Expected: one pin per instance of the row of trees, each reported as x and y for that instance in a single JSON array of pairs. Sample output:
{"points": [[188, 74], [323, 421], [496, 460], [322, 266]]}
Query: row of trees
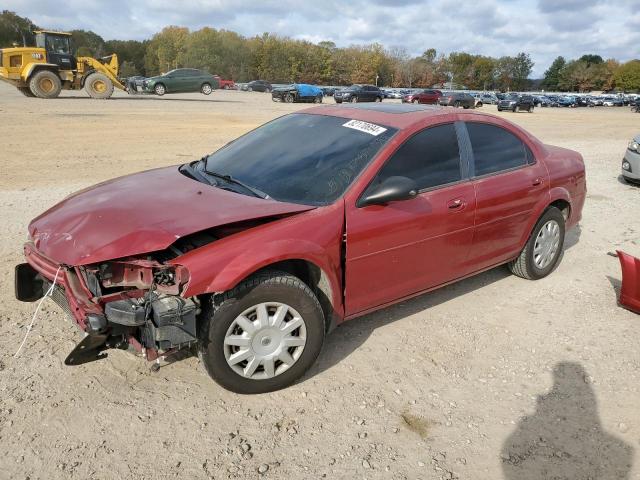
{"points": [[283, 59], [592, 72]]}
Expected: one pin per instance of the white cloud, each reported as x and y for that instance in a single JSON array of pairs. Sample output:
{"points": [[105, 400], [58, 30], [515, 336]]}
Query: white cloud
{"points": [[543, 28]]}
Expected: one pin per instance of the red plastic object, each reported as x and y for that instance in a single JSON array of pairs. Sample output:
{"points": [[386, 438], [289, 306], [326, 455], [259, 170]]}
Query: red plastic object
{"points": [[630, 290]]}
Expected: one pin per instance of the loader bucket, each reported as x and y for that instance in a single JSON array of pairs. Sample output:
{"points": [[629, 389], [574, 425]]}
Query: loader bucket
{"points": [[630, 290]]}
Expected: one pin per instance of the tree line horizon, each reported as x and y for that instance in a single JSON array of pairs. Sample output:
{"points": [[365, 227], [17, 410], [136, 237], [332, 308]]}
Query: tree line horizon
{"points": [[282, 59]]}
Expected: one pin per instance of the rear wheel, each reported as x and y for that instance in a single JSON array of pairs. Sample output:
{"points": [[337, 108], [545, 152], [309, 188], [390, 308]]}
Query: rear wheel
{"points": [[263, 335], [354, 99], [288, 98], [378, 99], [98, 85], [26, 92], [543, 249], [206, 89], [45, 84], [478, 105], [317, 99]]}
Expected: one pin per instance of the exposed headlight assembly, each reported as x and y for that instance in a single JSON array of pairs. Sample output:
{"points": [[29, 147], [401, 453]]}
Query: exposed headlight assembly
{"points": [[633, 145]]}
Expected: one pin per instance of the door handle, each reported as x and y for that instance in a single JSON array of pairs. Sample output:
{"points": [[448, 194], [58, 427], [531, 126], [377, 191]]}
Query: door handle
{"points": [[536, 182], [455, 204]]}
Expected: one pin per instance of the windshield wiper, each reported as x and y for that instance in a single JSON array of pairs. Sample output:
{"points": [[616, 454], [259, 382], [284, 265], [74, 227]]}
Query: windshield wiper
{"points": [[230, 179], [196, 174]]}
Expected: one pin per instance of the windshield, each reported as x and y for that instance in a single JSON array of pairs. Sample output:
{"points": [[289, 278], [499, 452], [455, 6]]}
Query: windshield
{"points": [[301, 158]]}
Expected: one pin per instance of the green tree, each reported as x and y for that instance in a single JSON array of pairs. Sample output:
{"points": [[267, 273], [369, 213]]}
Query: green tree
{"points": [[627, 76], [552, 74], [16, 29], [87, 43]]}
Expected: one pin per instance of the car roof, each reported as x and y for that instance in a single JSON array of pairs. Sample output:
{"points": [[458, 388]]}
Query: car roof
{"points": [[397, 115]]}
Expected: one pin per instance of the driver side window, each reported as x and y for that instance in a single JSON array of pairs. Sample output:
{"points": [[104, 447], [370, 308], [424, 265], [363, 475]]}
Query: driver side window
{"points": [[431, 158]]}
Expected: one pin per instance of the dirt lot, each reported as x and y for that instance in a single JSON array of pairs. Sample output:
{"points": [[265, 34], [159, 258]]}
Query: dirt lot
{"points": [[494, 377]]}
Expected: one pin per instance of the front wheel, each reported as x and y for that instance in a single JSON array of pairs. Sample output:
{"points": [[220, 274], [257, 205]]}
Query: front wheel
{"points": [[263, 335], [98, 85], [543, 249], [159, 89], [288, 98], [478, 105], [206, 89]]}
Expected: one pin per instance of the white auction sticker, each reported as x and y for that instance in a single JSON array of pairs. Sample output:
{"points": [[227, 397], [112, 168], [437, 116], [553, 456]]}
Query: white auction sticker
{"points": [[366, 127]]}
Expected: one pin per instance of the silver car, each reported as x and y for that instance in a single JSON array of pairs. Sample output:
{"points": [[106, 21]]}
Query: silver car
{"points": [[631, 162]]}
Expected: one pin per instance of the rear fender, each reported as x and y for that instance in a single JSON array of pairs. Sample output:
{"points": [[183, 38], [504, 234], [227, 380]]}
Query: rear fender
{"points": [[34, 67], [630, 289], [557, 193]]}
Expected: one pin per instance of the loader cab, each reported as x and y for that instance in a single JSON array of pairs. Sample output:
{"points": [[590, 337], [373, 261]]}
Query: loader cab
{"points": [[58, 48]]}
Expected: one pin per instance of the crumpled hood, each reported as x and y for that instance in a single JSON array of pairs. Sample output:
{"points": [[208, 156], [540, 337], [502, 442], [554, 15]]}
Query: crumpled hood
{"points": [[141, 213]]}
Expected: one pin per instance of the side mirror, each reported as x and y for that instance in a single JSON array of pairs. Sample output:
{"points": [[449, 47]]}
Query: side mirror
{"points": [[393, 189]]}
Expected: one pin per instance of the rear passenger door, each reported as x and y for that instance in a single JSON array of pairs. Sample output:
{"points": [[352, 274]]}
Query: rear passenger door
{"points": [[508, 183]]}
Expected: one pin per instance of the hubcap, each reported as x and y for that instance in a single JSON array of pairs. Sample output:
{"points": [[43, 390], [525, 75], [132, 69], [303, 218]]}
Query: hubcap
{"points": [[47, 85], [206, 89], [99, 86], [547, 243], [265, 340]]}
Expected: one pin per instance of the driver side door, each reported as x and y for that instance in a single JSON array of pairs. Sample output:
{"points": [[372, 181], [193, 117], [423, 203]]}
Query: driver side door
{"points": [[406, 247]]}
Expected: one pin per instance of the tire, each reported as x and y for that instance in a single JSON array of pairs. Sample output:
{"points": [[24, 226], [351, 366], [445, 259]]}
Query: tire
{"points": [[45, 84], [226, 87], [414, 101], [478, 105], [219, 322], [267, 90], [249, 89], [525, 265], [206, 89], [288, 98], [514, 109], [317, 99], [378, 99], [26, 92], [530, 110], [456, 104], [499, 109], [159, 89], [466, 107], [98, 86], [354, 99]]}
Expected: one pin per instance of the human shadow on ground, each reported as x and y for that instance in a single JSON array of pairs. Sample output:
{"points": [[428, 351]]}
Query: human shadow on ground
{"points": [[564, 439]]}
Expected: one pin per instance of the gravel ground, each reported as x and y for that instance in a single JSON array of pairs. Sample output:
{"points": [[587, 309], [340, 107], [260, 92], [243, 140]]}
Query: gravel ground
{"points": [[494, 377]]}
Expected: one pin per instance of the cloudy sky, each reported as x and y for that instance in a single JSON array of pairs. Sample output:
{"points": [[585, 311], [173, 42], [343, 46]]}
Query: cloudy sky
{"points": [[544, 28]]}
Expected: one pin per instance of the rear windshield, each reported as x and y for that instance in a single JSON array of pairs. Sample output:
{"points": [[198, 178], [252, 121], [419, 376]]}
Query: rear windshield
{"points": [[302, 158]]}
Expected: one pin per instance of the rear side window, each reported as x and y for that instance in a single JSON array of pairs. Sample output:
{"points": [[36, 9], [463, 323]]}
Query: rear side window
{"points": [[431, 158], [495, 149]]}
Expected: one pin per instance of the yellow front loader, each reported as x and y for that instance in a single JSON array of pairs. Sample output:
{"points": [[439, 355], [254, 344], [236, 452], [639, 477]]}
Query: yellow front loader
{"points": [[43, 71]]}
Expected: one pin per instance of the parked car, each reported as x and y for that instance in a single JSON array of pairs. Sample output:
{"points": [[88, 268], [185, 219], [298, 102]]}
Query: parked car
{"points": [[257, 86], [358, 93], [487, 99], [457, 99], [396, 94], [226, 84], [297, 92], [516, 102], [542, 101], [613, 102], [569, 102], [428, 96], [255, 252], [631, 161], [181, 80]]}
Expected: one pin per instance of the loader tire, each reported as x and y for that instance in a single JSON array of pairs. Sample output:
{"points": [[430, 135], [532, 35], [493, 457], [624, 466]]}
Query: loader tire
{"points": [[45, 84], [26, 92], [98, 85]]}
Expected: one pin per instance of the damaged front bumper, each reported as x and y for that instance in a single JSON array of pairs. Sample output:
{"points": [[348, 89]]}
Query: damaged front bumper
{"points": [[119, 304], [630, 289]]}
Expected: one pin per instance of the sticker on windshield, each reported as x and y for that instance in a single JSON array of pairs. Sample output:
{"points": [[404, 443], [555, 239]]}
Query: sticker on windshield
{"points": [[366, 127]]}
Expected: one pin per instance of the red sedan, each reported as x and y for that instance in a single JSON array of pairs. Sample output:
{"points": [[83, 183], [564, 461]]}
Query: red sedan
{"points": [[429, 97], [255, 252]]}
